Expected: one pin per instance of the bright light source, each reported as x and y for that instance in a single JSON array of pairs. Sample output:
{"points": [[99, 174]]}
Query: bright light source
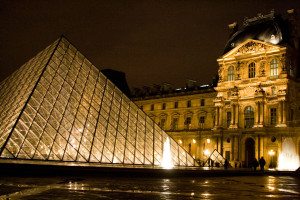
{"points": [[271, 152], [180, 141], [206, 152], [208, 141], [194, 141], [167, 157], [288, 158]]}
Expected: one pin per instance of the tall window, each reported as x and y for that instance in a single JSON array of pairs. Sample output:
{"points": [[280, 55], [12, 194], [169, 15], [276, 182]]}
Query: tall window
{"points": [[202, 103], [201, 121], [230, 73], [162, 122], [274, 67], [188, 122], [251, 70], [189, 103], [249, 117], [273, 116], [176, 104], [175, 123], [228, 119], [152, 107], [164, 106]]}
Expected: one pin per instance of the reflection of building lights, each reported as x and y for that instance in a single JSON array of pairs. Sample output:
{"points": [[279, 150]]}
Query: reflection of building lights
{"points": [[194, 141], [271, 188], [271, 152], [206, 152], [208, 141], [180, 141]]}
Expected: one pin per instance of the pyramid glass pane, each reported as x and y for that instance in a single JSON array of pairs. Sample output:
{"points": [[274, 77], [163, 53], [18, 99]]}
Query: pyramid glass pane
{"points": [[59, 107], [15, 90]]}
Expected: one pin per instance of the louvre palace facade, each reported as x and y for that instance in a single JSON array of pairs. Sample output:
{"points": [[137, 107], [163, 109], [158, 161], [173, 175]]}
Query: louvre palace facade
{"points": [[254, 108]]}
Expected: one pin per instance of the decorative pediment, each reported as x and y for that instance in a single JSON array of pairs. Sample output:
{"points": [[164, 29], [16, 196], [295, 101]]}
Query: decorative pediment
{"points": [[251, 47]]}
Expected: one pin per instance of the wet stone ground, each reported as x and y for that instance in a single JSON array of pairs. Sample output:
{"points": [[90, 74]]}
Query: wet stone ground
{"points": [[240, 187]]}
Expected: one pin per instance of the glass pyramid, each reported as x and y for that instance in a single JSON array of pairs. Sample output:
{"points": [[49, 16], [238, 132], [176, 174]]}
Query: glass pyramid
{"points": [[59, 107]]}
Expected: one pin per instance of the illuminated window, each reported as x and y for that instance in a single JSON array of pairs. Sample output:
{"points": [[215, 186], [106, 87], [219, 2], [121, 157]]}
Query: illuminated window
{"points": [[201, 121], [188, 122], [249, 117], [230, 74], [273, 116], [274, 68], [251, 70]]}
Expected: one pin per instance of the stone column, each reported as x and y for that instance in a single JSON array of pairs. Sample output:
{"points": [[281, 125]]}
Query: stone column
{"points": [[220, 116], [256, 114], [266, 115], [284, 112], [236, 120], [262, 113], [279, 113], [232, 115], [217, 117]]}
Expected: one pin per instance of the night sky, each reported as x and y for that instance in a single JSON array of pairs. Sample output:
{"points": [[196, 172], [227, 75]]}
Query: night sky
{"points": [[151, 41]]}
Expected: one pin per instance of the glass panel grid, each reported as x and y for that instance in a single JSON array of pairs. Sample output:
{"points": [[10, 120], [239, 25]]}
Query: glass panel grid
{"points": [[76, 114]]}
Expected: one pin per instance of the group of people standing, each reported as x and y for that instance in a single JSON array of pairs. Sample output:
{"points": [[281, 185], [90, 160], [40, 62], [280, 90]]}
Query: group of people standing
{"points": [[261, 162]]}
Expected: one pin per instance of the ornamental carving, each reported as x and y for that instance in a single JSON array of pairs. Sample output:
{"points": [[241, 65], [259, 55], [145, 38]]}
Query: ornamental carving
{"points": [[254, 47], [262, 70], [251, 47], [260, 90], [234, 91]]}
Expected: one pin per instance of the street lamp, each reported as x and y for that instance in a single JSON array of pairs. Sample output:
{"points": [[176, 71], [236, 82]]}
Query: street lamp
{"points": [[271, 154]]}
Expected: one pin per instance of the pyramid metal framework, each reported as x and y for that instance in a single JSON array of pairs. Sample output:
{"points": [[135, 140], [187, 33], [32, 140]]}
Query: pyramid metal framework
{"points": [[59, 107]]}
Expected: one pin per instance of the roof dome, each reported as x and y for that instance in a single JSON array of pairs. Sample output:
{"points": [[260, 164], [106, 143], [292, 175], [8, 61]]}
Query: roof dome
{"points": [[267, 28]]}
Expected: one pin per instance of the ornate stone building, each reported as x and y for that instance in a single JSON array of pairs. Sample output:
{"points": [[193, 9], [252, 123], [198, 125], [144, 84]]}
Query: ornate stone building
{"points": [[188, 116], [254, 109]]}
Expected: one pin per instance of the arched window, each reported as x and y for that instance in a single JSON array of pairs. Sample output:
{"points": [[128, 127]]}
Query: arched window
{"points": [[251, 70], [249, 117], [274, 67], [230, 74]]}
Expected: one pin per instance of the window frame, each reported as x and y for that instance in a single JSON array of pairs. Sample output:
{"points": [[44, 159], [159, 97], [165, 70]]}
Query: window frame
{"points": [[273, 116], [274, 64], [251, 70], [230, 73], [248, 117]]}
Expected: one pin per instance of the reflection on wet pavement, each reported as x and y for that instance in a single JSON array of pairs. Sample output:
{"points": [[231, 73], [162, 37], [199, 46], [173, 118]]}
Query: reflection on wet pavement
{"points": [[246, 187]]}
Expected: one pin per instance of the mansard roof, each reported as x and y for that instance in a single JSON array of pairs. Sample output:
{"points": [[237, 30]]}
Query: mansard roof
{"points": [[267, 28]]}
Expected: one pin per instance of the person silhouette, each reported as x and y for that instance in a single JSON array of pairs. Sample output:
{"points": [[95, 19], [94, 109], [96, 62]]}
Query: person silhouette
{"points": [[262, 163], [255, 164], [226, 164]]}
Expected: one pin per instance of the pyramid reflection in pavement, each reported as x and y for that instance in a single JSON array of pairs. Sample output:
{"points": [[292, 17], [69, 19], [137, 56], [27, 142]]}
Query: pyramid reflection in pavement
{"points": [[59, 107]]}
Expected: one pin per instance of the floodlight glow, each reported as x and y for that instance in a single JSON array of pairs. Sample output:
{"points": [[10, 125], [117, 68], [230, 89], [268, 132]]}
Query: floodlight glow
{"points": [[167, 159]]}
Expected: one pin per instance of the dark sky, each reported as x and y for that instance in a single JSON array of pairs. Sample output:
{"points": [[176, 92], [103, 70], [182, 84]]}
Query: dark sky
{"points": [[151, 41]]}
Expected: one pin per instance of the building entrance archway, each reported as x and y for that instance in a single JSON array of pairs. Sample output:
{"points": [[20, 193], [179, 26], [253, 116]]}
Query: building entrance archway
{"points": [[249, 151]]}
